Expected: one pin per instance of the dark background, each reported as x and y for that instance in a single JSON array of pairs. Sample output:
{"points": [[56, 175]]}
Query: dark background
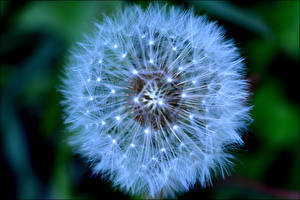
{"points": [[36, 162]]}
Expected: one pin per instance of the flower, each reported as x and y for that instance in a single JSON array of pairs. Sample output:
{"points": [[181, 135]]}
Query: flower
{"points": [[157, 99]]}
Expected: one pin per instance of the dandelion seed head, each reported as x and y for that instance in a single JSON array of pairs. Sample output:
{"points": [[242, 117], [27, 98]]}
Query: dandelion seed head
{"points": [[171, 100]]}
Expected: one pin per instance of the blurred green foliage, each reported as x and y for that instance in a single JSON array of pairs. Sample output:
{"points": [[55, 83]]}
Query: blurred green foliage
{"points": [[35, 42]]}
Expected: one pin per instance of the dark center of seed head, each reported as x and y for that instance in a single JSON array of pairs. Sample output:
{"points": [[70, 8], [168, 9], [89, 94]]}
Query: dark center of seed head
{"points": [[155, 98]]}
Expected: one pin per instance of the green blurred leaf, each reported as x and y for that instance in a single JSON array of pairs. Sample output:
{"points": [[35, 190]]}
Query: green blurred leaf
{"points": [[15, 149], [6, 72], [276, 127], [3, 8], [69, 18], [233, 14], [254, 165], [259, 54], [276, 120], [234, 192], [283, 18], [61, 183], [51, 115]]}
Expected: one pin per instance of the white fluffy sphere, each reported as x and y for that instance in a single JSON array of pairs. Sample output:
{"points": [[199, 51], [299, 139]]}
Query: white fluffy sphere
{"points": [[157, 98]]}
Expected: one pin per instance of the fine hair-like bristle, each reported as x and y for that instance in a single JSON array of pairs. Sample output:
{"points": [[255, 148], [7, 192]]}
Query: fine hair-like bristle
{"points": [[156, 98]]}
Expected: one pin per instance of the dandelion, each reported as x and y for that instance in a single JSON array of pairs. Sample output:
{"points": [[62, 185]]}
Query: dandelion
{"points": [[168, 110]]}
